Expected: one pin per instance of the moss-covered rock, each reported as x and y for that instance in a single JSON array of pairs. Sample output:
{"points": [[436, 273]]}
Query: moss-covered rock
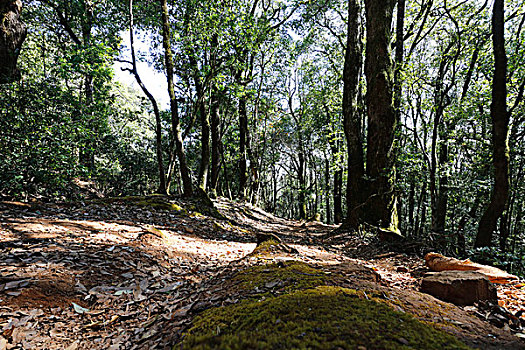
{"points": [[320, 318], [293, 305], [286, 277]]}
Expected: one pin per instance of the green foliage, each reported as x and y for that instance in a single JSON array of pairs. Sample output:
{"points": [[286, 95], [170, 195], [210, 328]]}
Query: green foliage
{"points": [[511, 261], [285, 58]]}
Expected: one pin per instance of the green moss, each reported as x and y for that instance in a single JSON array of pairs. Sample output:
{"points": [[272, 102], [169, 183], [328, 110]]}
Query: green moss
{"points": [[154, 201], [159, 204], [284, 277], [266, 247], [321, 318], [294, 307]]}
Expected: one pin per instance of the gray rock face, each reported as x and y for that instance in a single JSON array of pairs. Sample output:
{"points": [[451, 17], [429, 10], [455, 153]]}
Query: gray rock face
{"points": [[459, 287]]}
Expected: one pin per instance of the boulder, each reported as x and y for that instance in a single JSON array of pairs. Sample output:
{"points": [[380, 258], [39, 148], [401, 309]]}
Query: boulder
{"points": [[459, 287]]}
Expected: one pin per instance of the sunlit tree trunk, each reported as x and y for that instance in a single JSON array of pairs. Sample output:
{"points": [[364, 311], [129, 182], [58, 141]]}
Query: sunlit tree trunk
{"points": [[12, 35], [500, 131]]}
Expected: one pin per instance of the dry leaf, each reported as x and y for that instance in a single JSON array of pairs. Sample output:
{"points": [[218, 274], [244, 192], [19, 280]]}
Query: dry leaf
{"points": [[73, 346], [79, 309]]}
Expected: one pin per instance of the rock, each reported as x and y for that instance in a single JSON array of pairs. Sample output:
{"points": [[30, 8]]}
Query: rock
{"points": [[459, 287]]}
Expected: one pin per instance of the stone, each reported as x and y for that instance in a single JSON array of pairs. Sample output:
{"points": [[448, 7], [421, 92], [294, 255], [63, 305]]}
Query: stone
{"points": [[459, 287]]}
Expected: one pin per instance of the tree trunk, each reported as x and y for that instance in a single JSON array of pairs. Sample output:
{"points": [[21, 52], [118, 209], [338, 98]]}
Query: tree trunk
{"points": [[356, 189], [400, 43], [168, 57], [440, 215], [205, 144], [422, 209], [338, 189], [274, 192], [158, 131], [398, 85], [87, 158], [215, 142], [12, 35], [382, 124], [243, 131], [327, 195], [411, 206], [500, 131], [302, 186], [460, 234]]}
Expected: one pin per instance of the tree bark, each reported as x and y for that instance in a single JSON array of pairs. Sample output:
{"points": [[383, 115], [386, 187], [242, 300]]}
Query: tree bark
{"points": [[12, 35], [382, 123], [327, 195], [302, 185], [87, 158], [205, 145], [205, 125], [243, 131], [168, 57], [215, 142], [500, 131], [356, 186]]}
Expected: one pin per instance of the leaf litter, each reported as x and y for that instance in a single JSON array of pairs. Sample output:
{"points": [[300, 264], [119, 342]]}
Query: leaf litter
{"points": [[101, 275]]}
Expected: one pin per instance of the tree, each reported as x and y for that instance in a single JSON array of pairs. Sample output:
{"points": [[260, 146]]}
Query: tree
{"points": [[12, 35], [158, 129], [168, 56], [356, 193], [500, 131], [380, 205]]}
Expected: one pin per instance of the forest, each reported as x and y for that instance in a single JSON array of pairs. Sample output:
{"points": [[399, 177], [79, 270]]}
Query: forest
{"points": [[397, 120], [270, 102]]}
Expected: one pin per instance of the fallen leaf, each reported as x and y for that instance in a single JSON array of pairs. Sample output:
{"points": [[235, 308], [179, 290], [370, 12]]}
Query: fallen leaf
{"points": [[73, 346], [123, 291], [79, 309]]}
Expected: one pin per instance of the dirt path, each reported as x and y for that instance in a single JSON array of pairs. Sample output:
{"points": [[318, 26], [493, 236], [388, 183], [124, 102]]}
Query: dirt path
{"points": [[122, 276]]}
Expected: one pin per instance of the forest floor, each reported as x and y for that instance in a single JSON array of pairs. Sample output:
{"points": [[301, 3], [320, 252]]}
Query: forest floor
{"points": [[132, 274]]}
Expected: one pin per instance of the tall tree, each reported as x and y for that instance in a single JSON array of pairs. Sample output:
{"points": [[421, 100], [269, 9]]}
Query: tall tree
{"points": [[168, 60], [158, 129], [500, 131], [380, 208], [356, 193], [12, 35]]}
